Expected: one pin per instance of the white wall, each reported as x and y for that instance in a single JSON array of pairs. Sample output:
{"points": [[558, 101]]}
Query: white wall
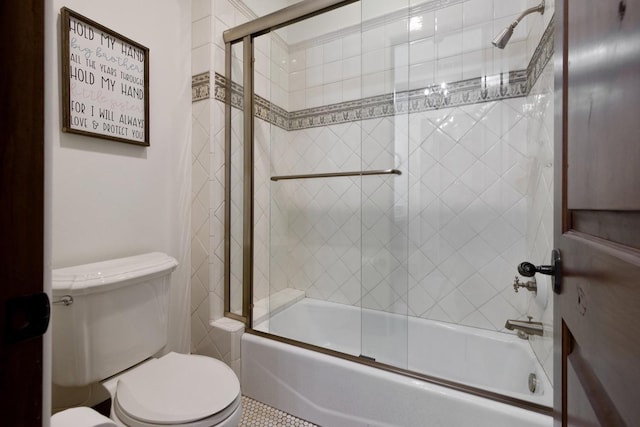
{"points": [[110, 199]]}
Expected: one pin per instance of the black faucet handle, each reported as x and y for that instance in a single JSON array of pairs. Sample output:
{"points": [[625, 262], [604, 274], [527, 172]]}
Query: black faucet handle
{"points": [[527, 269]]}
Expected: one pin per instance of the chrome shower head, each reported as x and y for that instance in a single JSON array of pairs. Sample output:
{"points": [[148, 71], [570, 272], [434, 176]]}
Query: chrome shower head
{"points": [[502, 39]]}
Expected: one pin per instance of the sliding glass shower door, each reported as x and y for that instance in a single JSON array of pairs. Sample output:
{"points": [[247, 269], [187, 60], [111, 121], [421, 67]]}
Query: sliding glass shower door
{"points": [[381, 186], [235, 185], [330, 193], [384, 198]]}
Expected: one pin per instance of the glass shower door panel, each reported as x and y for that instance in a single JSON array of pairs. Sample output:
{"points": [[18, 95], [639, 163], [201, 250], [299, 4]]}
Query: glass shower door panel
{"points": [[264, 92], [236, 182], [315, 220], [384, 198]]}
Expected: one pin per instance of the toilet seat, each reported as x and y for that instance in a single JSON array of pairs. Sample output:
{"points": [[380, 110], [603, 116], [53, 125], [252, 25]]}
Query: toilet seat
{"points": [[177, 389], [232, 411]]}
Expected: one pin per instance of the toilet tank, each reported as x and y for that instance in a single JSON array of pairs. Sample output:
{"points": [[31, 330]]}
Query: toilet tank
{"points": [[117, 319]]}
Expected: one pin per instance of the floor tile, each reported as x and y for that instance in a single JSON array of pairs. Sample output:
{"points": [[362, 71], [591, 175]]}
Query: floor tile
{"points": [[256, 414]]}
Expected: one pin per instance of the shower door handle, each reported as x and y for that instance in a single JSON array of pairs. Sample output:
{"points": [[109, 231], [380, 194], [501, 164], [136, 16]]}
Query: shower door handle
{"points": [[554, 270]]}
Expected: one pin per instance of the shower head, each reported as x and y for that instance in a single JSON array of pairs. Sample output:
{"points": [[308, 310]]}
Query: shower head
{"points": [[503, 37]]}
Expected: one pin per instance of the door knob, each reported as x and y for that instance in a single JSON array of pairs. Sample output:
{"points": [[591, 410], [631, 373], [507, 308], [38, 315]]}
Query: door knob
{"points": [[527, 269], [27, 317], [554, 270]]}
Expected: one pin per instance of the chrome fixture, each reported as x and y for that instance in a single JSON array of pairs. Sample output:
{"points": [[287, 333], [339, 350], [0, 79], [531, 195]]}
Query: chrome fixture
{"points": [[525, 328], [502, 39], [64, 300], [530, 285], [533, 382]]}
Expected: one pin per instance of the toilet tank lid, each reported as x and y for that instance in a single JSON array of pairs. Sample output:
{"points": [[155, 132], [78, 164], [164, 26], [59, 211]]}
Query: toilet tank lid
{"points": [[105, 275]]}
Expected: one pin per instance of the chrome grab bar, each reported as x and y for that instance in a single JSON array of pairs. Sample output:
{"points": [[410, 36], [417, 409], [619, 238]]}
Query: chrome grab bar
{"points": [[337, 174]]}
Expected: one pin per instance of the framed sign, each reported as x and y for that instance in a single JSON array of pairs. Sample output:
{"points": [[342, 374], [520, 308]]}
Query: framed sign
{"points": [[105, 82]]}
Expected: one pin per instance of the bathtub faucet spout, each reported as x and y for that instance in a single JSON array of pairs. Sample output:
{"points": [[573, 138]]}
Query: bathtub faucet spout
{"points": [[525, 328]]}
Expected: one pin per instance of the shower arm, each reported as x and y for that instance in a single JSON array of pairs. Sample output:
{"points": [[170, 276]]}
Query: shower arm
{"points": [[538, 8]]}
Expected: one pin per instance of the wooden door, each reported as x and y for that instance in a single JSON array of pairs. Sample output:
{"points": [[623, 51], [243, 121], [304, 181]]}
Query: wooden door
{"points": [[21, 208], [597, 313]]}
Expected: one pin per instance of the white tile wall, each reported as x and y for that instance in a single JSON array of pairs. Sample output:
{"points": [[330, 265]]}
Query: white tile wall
{"points": [[465, 206], [460, 206], [210, 18], [201, 129], [441, 49], [200, 201]]}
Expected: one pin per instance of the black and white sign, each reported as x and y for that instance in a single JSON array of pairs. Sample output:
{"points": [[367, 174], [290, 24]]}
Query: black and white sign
{"points": [[105, 80]]}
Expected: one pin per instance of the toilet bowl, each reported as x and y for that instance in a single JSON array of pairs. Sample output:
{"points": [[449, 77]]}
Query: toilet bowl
{"points": [[111, 324]]}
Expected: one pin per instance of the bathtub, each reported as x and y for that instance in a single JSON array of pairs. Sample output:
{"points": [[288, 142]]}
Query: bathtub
{"points": [[333, 392]]}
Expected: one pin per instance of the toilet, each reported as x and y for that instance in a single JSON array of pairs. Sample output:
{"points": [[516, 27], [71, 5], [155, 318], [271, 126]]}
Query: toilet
{"points": [[108, 320]]}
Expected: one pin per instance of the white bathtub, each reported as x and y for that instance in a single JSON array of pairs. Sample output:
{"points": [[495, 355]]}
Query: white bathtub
{"points": [[333, 392]]}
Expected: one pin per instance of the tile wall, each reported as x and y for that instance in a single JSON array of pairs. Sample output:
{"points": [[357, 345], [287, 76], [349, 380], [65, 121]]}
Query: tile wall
{"points": [[209, 19], [462, 204], [429, 43], [440, 241]]}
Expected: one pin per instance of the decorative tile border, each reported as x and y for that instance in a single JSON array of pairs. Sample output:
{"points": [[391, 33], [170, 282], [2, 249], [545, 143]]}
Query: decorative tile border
{"points": [[200, 87], [220, 91], [272, 113], [541, 56], [471, 91], [264, 109]]}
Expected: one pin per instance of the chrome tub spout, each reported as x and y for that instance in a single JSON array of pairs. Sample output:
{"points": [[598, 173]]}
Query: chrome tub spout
{"points": [[525, 327]]}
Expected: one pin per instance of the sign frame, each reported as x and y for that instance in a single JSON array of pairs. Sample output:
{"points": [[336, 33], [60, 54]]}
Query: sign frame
{"points": [[120, 130]]}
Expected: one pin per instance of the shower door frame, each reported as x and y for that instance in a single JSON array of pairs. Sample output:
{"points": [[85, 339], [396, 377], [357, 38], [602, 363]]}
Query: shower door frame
{"points": [[246, 33]]}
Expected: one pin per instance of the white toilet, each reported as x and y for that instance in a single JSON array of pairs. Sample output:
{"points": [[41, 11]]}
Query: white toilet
{"points": [[116, 321]]}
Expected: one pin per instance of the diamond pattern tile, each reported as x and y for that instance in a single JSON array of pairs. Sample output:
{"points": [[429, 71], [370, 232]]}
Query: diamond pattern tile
{"points": [[460, 206], [479, 177], [472, 200], [201, 131], [479, 140], [457, 124], [333, 235]]}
